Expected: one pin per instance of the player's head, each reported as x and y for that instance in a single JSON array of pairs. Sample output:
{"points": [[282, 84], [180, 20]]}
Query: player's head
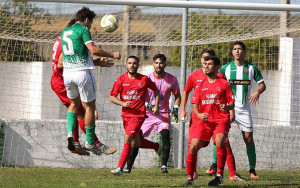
{"points": [[132, 64], [159, 63], [211, 65], [85, 16], [239, 50], [206, 52]]}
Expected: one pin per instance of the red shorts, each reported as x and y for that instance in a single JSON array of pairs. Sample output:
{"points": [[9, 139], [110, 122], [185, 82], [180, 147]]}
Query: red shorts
{"points": [[205, 130], [132, 125], [59, 88]]}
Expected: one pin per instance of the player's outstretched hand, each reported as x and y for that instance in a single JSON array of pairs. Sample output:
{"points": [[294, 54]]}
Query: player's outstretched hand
{"points": [[127, 104], [174, 114], [203, 116], [117, 55], [254, 98]]}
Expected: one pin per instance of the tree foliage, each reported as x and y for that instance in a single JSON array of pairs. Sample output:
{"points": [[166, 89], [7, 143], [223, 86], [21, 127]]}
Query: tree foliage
{"points": [[15, 27], [261, 51]]}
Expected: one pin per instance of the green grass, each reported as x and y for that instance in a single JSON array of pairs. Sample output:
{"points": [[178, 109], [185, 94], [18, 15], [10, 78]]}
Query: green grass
{"points": [[60, 177]]}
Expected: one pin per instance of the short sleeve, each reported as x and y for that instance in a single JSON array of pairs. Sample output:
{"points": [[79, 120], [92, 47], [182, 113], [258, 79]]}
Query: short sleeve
{"points": [[86, 35], [189, 84], [116, 88], [175, 86], [257, 75], [196, 97], [151, 85]]}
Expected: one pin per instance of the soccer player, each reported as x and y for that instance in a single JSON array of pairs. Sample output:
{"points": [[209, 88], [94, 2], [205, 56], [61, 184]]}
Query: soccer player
{"points": [[211, 101], [240, 74], [132, 88], [166, 84], [78, 79], [57, 85]]}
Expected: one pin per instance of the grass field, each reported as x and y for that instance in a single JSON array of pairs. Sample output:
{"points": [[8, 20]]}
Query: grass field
{"points": [[60, 177]]}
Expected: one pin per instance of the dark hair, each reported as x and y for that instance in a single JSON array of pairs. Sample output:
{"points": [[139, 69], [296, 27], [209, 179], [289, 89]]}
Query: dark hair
{"points": [[133, 57], [208, 50], [160, 56], [71, 22], [84, 13], [239, 43], [214, 58]]}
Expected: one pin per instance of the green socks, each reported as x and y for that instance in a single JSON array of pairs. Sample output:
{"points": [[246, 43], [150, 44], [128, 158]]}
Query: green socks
{"points": [[251, 156], [90, 134], [215, 154], [71, 119]]}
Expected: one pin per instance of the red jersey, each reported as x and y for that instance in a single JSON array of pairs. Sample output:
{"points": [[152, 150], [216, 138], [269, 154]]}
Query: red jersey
{"points": [[195, 78], [209, 96], [56, 51], [133, 90]]}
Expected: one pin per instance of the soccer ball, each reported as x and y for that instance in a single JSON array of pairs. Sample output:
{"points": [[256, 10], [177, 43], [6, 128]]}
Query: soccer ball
{"points": [[109, 23]]}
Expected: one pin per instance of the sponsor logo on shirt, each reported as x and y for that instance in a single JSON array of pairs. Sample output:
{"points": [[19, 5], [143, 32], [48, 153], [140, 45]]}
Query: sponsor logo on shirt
{"points": [[126, 84], [204, 89], [240, 82], [211, 101], [218, 88], [132, 131], [211, 96], [199, 80]]}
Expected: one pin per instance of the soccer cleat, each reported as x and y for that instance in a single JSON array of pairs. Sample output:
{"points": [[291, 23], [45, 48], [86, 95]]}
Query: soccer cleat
{"points": [[195, 176], [126, 171], [237, 177], [253, 174], [216, 181], [117, 172], [212, 170], [106, 149], [70, 139], [189, 182], [164, 169], [93, 148], [79, 150]]}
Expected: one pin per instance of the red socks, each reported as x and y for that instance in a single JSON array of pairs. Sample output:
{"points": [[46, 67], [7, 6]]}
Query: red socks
{"points": [[191, 162], [221, 158], [76, 134], [124, 156], [82, 127], [230, 161], [148, 144]]}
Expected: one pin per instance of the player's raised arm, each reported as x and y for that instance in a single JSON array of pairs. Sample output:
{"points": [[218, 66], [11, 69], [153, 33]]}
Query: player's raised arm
{"points": [[99, 52], [254, 98]]}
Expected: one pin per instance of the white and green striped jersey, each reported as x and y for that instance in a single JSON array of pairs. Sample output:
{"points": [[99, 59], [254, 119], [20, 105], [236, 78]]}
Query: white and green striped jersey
{"points": [[240, 79], [75, 52]]}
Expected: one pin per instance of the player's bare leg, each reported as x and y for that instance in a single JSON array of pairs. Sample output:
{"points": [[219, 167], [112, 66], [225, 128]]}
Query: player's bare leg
{"points": [[249, 141]]}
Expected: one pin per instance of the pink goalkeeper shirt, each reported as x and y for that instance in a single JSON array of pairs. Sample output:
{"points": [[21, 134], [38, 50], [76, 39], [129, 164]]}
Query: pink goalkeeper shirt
{"points": [[166, 85]]}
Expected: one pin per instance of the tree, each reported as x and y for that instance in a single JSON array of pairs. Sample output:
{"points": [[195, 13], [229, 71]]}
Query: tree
{"points": [[209, 29], [15, 23]]}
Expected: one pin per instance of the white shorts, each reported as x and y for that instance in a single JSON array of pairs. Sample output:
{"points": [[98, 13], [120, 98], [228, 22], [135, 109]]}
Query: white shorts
{"points": [[243, 118], [81, 82]]}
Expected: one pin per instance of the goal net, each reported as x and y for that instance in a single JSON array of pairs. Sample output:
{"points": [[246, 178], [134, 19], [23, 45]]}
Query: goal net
{"points": [[34, 126]]}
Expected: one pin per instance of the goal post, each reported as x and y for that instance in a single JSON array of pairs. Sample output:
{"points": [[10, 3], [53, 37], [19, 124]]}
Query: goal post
{"points": [[35, 120]]}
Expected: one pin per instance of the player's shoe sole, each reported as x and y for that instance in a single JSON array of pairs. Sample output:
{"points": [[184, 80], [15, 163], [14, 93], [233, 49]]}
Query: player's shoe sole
{"points": [[236, 178], [80, 150], [107, 150], [117, 172]]}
